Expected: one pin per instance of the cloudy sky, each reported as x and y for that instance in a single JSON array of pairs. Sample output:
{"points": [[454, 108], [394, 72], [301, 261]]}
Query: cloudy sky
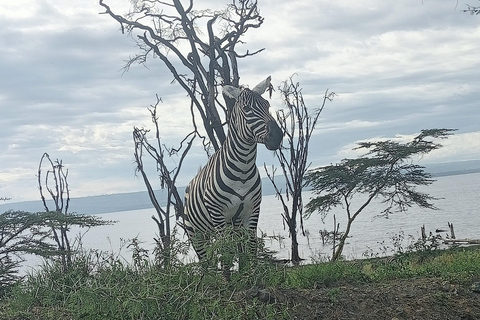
{"points": [[397, 67]]}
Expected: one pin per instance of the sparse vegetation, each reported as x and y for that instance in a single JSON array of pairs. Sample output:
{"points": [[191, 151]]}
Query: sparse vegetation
{"points": [[298, 123], [102, 286], [385, 172]]}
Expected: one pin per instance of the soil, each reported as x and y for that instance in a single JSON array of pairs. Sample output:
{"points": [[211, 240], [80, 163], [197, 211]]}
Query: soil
{"points": [[395, 300]]}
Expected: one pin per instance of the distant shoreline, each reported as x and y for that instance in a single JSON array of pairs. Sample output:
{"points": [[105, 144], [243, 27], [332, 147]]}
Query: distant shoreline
{"points": [[455, 172], [139, 200]]}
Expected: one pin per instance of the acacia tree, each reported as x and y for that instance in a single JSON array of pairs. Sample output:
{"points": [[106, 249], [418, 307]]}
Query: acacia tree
{"points": [[199, 48], [298, 124], [20, 233], [30, 233], [386, 172]]}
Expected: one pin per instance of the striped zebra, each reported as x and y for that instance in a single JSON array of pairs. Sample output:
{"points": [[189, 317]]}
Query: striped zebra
{"points": [[228, 189]]}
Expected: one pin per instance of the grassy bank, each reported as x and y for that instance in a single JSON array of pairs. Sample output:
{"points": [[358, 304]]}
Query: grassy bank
{"points": [[99, 287]]}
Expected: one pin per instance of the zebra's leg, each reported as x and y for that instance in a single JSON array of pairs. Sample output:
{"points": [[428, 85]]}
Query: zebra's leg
{"points": [[199, 244], [248, 251]]}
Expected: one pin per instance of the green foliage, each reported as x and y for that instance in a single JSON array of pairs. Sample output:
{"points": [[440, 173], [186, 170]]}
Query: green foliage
{"points": [[228, 245], [232, 248], [323, 275], [100, 286], [386, 172], [8, 273], [20, 233], [458, 264], [30, 233]]}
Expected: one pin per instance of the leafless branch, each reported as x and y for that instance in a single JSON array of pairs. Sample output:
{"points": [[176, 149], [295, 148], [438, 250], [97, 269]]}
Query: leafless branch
{"points": [[166, 29], [298, 124]]}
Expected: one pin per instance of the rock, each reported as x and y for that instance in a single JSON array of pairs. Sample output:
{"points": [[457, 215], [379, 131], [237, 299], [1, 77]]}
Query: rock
{"points": [[475, 287]]}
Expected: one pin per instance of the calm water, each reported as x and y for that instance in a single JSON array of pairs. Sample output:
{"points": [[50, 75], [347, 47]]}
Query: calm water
{"points": [[458, 206]]}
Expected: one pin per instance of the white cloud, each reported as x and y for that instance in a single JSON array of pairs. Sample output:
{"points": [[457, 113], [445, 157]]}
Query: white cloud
{"points": [[20, 9], [460, 146]]}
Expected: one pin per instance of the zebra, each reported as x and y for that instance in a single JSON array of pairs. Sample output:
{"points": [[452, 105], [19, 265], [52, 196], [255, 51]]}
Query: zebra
{"points": [[228, 189]]}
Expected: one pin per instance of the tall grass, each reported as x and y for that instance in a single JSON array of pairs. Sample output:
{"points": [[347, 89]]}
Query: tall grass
{"points": [[100, 286]]}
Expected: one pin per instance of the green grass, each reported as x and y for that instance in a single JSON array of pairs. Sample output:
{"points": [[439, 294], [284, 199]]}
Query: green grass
{"points": [[460, 265], [95, 288], [120, 293]]}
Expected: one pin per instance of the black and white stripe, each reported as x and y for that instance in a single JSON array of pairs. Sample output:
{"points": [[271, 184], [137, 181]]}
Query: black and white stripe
{"points": [[228, 189]]}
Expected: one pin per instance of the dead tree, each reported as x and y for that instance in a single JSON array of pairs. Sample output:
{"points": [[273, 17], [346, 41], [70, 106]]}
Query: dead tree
{"points": [[473, 10], [298, 125], [60, 195], [167, 180], [199, 48], [52, 178]]}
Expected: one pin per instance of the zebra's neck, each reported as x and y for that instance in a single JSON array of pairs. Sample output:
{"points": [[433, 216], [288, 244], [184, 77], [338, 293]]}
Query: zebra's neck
{"points": [[240, 155]]}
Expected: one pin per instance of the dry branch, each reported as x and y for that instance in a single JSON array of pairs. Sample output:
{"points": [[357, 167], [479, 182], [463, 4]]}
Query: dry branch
{"points": [[173, 33]]}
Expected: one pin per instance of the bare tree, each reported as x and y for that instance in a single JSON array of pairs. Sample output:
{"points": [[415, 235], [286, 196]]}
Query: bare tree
{"points": [[199, 48], [59, 220], [298, 125], [60, 195], [167, 179]]}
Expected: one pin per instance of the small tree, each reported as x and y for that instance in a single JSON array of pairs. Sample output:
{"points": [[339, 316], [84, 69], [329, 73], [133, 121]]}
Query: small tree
{"points": [[386, 172], [30, 233], [20, 233], [59, 220], [167, 178], [298, 124]]}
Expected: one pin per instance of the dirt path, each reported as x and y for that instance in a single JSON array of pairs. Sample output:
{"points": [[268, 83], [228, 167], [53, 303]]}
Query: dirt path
{"points": [[401, 299]]}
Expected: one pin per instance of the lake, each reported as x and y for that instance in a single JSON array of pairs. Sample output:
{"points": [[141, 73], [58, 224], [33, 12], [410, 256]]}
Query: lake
{"points": [[458, 205]]}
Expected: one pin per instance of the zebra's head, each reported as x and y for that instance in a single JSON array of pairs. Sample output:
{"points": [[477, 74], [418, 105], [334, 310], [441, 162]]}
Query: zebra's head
{"points": [[250, 116]]}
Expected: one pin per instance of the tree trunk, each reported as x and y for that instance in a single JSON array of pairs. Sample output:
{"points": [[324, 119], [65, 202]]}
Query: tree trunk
{"points": [[343, 239], [295, 255], [293, 234]]}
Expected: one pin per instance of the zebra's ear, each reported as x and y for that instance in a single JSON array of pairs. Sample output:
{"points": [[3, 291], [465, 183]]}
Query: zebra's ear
{"points": [[231, 91], [262, 86]]}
